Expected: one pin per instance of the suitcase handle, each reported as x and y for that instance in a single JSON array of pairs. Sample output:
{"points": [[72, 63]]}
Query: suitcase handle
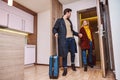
{"points": [[56, 40]]}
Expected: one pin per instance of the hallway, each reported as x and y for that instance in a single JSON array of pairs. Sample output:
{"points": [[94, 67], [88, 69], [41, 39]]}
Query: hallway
{"points": [[40, 72]]}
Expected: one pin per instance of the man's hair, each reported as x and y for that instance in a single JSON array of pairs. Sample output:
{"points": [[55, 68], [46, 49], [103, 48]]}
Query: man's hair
{"points": [[67, 10]]}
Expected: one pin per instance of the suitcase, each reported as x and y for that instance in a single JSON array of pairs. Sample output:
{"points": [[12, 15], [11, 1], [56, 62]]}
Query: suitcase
{"points": [[53, 67], [54, 64]]}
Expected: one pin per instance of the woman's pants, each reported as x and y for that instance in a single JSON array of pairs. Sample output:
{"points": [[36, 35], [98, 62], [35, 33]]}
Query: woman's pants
{"points": [[84, 56]]}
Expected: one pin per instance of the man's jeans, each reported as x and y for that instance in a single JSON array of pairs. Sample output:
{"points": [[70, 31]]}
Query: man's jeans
{"points": [[70, 47], [84, 56]]}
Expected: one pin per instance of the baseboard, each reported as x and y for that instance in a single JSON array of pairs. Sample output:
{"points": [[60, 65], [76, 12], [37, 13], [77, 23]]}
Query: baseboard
{"points": [[29, 65]]}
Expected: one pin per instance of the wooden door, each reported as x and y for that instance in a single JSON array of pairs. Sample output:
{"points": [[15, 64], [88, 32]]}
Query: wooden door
{"points": [[103, 37]]}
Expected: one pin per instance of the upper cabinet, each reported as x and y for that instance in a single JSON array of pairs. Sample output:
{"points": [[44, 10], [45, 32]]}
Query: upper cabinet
{"points": [[3, 18], [28, 24], [15, 22], [15, 18]]}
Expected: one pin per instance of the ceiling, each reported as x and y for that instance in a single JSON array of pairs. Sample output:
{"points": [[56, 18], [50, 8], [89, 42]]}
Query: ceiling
{"points": [[40, 5], [35, 5]]}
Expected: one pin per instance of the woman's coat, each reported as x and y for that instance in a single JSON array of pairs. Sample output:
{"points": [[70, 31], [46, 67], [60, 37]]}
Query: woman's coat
{"points": [[84, 41]]}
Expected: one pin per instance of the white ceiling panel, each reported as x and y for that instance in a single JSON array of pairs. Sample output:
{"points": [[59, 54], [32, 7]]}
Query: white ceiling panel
{"points": [[40, 5], [35, 5]]}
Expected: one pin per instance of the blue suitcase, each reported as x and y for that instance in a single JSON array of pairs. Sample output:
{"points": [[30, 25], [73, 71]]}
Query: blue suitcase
{"points": [[53, 67]]}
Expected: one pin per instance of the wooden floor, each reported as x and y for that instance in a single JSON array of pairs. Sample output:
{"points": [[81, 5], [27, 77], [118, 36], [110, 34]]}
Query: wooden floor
{"points": [[40, 72]]}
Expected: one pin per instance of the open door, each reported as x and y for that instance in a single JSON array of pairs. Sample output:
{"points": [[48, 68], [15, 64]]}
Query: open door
{"points": [[100, 32], [103, 36]]}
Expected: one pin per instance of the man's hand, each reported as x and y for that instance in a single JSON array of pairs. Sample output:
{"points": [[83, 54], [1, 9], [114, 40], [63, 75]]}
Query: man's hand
{"points": [[80, 35], [56, 35]]}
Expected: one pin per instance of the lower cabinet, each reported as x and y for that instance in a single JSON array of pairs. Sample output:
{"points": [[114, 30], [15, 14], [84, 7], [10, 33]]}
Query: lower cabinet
{"points": [[29, 56]]}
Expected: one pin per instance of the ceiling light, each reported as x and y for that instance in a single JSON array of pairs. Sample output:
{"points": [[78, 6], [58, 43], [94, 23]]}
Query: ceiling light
{"points": [[10, 2]]}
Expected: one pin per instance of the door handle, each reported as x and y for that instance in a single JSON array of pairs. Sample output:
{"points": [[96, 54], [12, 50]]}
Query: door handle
{"points": [[100, 30], [97, 32]]}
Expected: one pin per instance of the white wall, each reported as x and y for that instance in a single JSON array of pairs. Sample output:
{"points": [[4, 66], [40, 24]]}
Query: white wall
{"points": [[77, 6], [43, 34], [114, 8]]}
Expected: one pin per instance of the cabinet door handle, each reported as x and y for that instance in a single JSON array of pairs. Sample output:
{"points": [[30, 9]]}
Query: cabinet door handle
{"points": [[8, 19], [23, 24]]}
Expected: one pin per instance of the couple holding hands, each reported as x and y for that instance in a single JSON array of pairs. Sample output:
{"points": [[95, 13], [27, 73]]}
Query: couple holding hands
{"points": [[63, 29]]}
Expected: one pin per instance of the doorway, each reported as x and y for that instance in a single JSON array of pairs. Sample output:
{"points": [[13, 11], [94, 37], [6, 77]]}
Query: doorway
{"points": [[100, 24], [91, 16]]}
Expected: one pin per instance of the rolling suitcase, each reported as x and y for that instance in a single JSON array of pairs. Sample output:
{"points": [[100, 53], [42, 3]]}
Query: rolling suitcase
{"points": [[54, 65]]}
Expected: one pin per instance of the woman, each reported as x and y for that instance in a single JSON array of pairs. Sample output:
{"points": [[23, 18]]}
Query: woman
{"points": [[86, 43]]}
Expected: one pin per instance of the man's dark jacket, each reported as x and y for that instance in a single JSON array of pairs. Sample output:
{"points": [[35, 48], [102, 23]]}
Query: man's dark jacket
{"points": [[60, 28]]}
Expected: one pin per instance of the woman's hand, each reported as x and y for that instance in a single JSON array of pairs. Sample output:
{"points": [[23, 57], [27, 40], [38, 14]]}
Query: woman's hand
{"points": [[80, 35]]}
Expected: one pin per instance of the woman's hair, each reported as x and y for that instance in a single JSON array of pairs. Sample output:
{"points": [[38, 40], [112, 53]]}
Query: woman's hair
{"points": [[86, 21], [67, 10]]}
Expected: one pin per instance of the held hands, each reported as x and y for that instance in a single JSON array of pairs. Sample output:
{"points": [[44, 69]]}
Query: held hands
{"points": [[80, 35]]}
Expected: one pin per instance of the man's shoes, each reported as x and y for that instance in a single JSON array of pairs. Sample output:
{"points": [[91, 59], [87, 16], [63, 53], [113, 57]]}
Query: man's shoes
{"points": [[85, 67], [64, 72], [73, 67]]}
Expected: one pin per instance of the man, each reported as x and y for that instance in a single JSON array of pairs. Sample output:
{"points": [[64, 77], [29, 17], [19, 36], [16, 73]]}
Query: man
{"points": [[63, 29]]}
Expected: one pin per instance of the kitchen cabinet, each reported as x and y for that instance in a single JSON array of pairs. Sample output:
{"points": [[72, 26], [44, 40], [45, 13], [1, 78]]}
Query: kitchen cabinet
{"points": [[29, 55], [15, 22], [3, 18], [15, 18], [28, 24]]}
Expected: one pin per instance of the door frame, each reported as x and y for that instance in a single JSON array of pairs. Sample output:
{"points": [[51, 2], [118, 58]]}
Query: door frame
{"points": [[100, 39], [100, 30], [78, 22]]}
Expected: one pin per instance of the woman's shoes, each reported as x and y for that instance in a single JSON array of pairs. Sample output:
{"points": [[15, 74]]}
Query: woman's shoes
{"points": [[85, 67]]}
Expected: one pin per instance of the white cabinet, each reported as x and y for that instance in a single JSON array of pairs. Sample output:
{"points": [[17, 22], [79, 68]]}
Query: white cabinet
{"points": [[19, 23], [28, 24], [15, 18], [15, 22], [21, 20], [29, 56], [3, 18]]}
